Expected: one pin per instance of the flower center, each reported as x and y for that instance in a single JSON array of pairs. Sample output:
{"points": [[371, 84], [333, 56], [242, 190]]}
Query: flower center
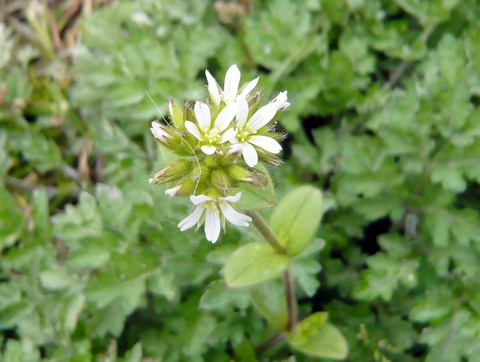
{"points": [[243, 134], [212, 205], [212, 136]]}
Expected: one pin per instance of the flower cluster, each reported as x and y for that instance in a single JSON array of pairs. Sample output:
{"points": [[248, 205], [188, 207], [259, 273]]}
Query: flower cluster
{"points": [[219, 144]]}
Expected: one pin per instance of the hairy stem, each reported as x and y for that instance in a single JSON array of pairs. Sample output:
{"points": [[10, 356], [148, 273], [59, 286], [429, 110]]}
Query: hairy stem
{"points": [[265, 230], [272, 239]]}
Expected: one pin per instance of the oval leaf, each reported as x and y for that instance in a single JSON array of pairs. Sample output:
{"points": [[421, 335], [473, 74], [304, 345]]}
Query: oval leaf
{"points": [[316, 337], [254, 263], [296, 218]]}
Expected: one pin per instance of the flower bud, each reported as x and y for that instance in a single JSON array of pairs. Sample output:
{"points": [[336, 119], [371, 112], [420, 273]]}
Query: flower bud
{"points": [[176, 115], [185, 188], [281, 101], [239, 174], [220, 180], [172, 172]]}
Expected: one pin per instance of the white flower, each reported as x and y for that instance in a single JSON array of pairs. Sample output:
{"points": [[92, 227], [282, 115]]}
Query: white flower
{"points": [[281, 101], [229, 94], [211, 135], [159, 132], [213, 213], [246, 137]]}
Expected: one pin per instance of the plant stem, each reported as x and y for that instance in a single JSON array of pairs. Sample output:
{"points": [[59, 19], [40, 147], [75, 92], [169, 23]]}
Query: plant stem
{"points": [[272, 239], [265, 230], [272, 342], [291, 300]]}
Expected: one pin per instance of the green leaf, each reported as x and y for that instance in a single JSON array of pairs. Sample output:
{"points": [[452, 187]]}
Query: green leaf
{"points": [[254, 198], [254, 263], [296, 218], [11, 219], [270, 301], [218, 296], [315, 336]]}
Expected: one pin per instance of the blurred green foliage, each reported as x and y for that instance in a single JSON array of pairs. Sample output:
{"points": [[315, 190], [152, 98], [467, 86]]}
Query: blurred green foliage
{"points": [[384, 118]]}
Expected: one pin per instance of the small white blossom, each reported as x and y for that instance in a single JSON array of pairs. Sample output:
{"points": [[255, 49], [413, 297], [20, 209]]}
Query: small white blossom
{"points": [[211, 134], [281, 101], [213, 213], [229, 94], [246, 137], [159, 132]]}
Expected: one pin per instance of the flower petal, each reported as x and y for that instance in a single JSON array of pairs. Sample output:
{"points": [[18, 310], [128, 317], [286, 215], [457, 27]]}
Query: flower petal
{"points": [[281, 101], [225, 117], [267, 143], [204, 118], [248, 87], [233, 198], [249, 154], [242, 112], [232, 79], [262, 117], [233, 215], [198, 199], [208, 149], [159, 132], [228, 135], [212, 223], [191, 219], [213, 88], [190, 126], [172, 191]]}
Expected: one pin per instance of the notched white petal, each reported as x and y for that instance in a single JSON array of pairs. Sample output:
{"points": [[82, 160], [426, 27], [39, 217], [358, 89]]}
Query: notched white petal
{"points": [[249, 154], [234, 198], [202, 113], [267, 143], [232, 80], [248, 87], [228, 135], [208, 149], [191, 219], [190, 126], [262, 117], [198, 199], [225, 117], [212, 224], [213, 87], [233, 216], [242, 112]]}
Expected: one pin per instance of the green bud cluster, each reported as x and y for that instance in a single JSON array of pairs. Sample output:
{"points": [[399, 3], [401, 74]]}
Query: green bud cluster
{"points": [[219, 142]]}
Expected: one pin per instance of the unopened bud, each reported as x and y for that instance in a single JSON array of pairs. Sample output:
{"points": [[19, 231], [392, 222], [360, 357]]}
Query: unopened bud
{"points": [[184, 188], [259, 179], [239, 174], [220, 180], [281, 101], [172, 172], [200, 172], [230, 155], [177, 115]]}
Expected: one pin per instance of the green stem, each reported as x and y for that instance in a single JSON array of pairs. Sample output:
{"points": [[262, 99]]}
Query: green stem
{"points": [[265, 230], [272, 239], [291, 300]]}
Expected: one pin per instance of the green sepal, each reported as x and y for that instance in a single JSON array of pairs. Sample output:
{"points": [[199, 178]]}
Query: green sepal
{"points": [[296, 218], [254, 263], [316, 337], [177, 116]]}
